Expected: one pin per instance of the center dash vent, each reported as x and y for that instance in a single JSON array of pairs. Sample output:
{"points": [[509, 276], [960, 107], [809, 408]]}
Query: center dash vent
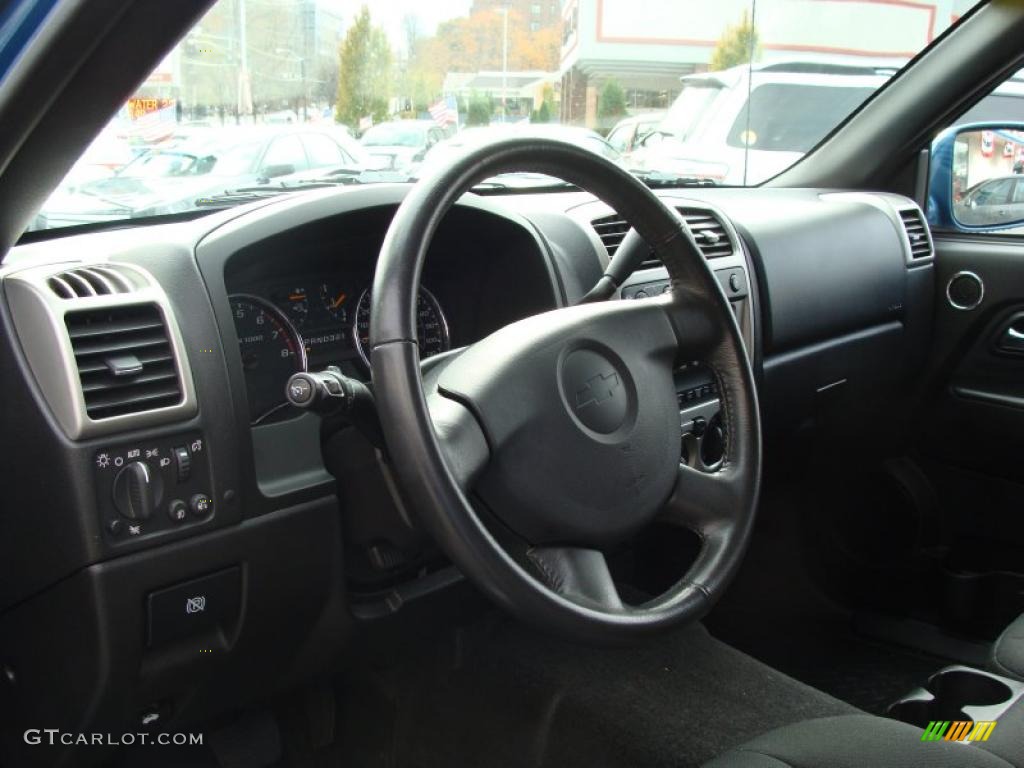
{"points": [[917, 233], [125, 360], [611, 229], [91, 281], [708, 231]]}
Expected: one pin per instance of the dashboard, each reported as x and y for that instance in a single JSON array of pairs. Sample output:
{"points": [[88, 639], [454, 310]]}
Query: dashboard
{"points": [[146, 369]]}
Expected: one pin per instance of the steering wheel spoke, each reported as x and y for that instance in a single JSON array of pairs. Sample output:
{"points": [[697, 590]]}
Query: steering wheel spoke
{"points": [[702, 501], [578, 574], [461, 439]]}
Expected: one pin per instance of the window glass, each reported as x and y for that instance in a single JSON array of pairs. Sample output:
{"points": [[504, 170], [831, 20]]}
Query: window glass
{"points": [[286, 151], [619, 138], [323, 151], [793, 118]]}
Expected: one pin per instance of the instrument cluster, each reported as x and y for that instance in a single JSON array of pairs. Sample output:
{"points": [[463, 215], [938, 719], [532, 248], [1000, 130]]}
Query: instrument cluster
{"points": [[283, 328]]}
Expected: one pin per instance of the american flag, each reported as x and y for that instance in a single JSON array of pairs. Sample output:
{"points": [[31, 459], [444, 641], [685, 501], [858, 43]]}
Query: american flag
{"points": [[445, 112]]}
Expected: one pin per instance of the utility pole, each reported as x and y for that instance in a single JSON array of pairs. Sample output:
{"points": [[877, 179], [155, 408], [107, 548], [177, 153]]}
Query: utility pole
{"points": [[504, 62], [243, 62]]}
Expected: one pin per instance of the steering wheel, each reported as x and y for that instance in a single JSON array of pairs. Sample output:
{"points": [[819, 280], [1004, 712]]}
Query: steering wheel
{"points": [[538, 448]]}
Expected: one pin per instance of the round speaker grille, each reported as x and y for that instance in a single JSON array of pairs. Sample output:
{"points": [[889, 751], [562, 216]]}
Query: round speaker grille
{"points": [[965, 290]]}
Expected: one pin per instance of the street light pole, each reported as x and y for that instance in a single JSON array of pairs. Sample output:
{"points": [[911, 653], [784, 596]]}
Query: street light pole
{"points": [[504, 63]]}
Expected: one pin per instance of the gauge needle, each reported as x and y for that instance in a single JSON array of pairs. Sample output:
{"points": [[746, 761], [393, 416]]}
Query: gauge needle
{"points": [[297, 297], [338, 301]]}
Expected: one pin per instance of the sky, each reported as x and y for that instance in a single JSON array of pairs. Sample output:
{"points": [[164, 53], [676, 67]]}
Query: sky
{"points": [[389, 14]]}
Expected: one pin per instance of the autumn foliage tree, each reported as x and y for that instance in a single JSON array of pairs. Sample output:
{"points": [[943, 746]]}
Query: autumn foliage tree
{"points": [[474, 44], [739, 44], [365, 73]]}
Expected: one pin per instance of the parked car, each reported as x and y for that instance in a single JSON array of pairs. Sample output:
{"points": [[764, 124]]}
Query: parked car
{"points": [[402, 143], [630, 131], [744, 125], [992, 202], [169, 178], [470, 137]]}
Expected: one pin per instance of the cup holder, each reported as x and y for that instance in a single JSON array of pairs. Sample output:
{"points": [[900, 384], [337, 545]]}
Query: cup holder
{"points": [[969, 688], [920, 712], [957, 693]]}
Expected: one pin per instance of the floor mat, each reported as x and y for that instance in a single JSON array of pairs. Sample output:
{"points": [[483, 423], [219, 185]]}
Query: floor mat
{"points": [[774, 612], [824, 652], [520, 698]]}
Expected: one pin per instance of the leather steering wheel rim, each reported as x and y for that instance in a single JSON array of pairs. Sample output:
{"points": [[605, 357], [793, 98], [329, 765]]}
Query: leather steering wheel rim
{"points": [[453, 443]]}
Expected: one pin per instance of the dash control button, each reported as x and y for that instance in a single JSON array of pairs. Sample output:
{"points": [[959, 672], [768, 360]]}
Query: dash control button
{"points": [[177, 511], [184, 462], [201, 505]]}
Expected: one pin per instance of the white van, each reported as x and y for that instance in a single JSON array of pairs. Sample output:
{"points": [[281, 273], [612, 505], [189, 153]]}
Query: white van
{"points": [[743, 125]]}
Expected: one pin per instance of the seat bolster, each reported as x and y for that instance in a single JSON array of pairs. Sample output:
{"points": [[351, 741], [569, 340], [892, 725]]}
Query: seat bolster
{"points": [[1008, 651], [853, 741]]}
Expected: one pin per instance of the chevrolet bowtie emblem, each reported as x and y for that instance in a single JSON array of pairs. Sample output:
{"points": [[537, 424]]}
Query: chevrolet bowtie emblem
{"points": [[597, 390]]}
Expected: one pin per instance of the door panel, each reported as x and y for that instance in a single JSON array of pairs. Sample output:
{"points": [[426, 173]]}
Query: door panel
{"points": [[975, 412]]}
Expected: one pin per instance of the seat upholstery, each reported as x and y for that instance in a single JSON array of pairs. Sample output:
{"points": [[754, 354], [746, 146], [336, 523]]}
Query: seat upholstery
{"points": [[1008, 651], [853, 741]]}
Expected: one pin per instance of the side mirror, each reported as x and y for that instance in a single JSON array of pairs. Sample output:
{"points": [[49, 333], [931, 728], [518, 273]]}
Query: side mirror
{"points": [[976, 179], [651, 138], [273, 171]]}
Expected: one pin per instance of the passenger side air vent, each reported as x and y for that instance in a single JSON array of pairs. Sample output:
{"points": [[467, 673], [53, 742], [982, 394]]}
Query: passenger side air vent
{"points": [[611, 229], [708, 231], [917, 234], [125, 359], [91, 281]]}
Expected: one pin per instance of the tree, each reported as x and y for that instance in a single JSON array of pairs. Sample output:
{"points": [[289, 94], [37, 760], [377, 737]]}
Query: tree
{"points": [[365, 73], [480, 110], [611, 104], [474, 44], [739, 44], [547, 106]]}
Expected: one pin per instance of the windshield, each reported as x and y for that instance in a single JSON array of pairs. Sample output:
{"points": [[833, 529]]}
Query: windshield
{"points": [[264, 97]]}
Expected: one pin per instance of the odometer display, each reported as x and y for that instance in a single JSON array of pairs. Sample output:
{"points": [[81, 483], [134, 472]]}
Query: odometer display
{"points": [[431, 326], [271, 350]]}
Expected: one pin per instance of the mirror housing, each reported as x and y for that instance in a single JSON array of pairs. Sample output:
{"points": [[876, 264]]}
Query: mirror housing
{"points": [[976, 177]]}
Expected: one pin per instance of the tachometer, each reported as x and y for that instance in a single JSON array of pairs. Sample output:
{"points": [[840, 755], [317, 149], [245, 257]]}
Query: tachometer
{"points": [[271, 351], [431, 326]]}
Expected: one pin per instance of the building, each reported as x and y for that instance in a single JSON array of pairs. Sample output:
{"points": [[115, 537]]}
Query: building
{"points": [[522, 92], [646, 46], [539, 15]]}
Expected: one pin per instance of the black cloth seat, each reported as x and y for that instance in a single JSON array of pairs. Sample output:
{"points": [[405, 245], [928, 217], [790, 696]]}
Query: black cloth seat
{"points": [[1008, 651], [853, 741]]}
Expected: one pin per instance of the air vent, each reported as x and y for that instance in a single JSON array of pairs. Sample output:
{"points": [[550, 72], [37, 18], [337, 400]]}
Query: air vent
{"points": [[917, 233], [90, 281], [708, 231], [125, 360], [611, 229]]}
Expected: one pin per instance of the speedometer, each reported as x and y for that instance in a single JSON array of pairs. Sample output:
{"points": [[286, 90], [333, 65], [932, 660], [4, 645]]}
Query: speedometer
{"points": [[271, 351], [431, 326]]}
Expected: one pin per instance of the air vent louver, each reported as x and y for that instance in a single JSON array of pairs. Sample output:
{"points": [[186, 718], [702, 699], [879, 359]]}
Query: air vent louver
{"points": [[90, 281], [125, 360], [917, 232], [611, 229], [708, 231]]}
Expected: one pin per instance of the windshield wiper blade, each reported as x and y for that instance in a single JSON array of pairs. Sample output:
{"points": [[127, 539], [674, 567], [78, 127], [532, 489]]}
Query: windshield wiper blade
{"points": [[249, 194]]}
